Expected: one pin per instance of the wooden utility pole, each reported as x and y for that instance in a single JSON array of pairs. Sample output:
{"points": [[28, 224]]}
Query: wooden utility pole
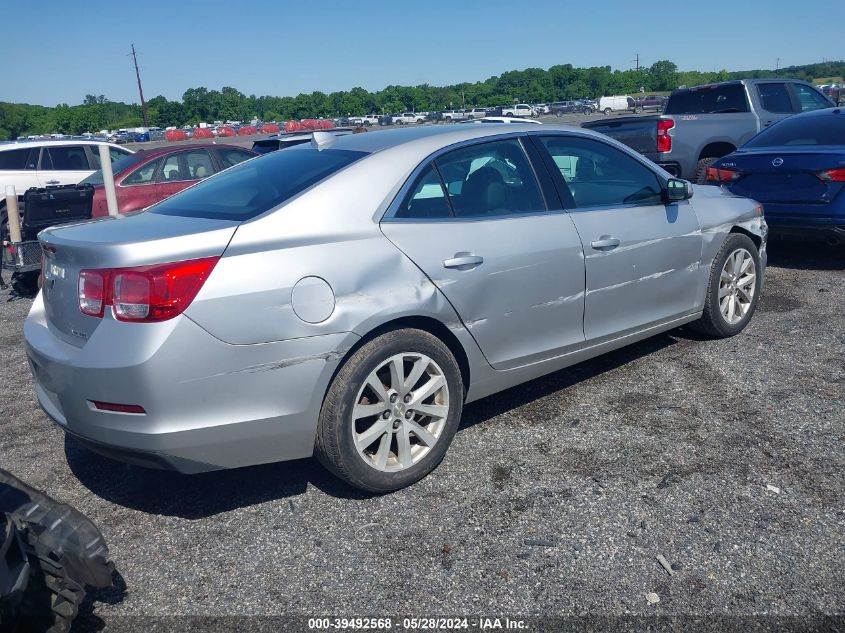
{"points": [[140, 90]]}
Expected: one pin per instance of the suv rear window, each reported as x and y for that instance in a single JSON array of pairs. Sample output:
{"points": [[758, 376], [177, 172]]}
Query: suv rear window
{"points": [[253, 187], [708, 100], [16, 159], [800, 131]]}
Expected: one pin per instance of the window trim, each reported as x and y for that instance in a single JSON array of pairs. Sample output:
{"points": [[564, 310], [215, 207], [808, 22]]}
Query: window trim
{"points": [[521, 137], [563, 189]]}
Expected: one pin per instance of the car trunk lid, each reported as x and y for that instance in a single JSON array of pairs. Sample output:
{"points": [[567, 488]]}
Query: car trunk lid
{"points": [[117, 242], [785, 176]]}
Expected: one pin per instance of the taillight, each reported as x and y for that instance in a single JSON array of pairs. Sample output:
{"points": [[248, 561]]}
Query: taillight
{"points": [[144, 293], [832, 175], [714, 174], [92, 292], [664, 141]]}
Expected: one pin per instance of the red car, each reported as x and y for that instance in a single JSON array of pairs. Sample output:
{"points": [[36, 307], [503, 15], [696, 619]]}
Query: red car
{"points": [[149, 176]]}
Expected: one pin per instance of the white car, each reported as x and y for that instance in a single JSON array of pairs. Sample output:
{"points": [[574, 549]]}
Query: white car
{"points": [[408, 117], [503, 119], [519, 110], [47, 163], [615, 104], [367, 119], [454, 115]]}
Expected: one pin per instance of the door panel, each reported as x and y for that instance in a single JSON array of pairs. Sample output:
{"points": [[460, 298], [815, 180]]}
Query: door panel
{"points": [[641, 254], [525, 301], [480, 231]]}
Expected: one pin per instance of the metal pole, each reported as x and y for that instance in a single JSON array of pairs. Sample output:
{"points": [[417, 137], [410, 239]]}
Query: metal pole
{"points": [[140, 90], [14, 214], [108, 179]]}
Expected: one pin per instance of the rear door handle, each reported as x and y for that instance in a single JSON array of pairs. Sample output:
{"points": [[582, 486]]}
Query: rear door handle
{"points": [[52, 182], [605, 243], [463, 259]]}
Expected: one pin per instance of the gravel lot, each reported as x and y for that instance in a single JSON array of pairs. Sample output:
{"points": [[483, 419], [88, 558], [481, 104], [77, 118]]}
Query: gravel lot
{"points": [[555, 497]]}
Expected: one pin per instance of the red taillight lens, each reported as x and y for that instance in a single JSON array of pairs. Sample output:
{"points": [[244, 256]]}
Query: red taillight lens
{"points": [[118, 408], [150, 293], [664, 141], [91, 289], [722, 175], [832, 175]]}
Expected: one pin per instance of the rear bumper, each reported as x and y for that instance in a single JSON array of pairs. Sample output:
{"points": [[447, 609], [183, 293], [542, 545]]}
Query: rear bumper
{"points": [[805, 222], [208, 404]]}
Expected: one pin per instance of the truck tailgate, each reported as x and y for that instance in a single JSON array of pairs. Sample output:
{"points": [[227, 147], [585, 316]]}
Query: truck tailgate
{"points": [[639, 133]]}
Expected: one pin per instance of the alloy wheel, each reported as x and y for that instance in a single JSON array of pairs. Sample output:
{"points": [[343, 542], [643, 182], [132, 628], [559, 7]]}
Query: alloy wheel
{"points": [[737, 285], [400, 412]]}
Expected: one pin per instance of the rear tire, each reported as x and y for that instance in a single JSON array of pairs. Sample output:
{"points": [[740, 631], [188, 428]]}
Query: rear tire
{"points": [[701, 169], [380, 434], [607, 111], [728, 282]]}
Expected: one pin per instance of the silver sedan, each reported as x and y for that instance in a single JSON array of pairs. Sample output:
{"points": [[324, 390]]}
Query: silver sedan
{"points": [[347, 297]]}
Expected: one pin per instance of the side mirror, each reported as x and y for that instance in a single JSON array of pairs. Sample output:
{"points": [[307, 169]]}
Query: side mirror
{"points": [[677, 190]]}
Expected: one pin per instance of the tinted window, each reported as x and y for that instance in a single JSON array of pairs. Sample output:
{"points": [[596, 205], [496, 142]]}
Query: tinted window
{"points": [[810, 99], [231, 157], [710, 99], [17, 159], [114, 153], [774, 97], [198, 164], [490, 179], [600, 175], [427, 198], [256, 186], [803, 130], [65, 158], [142, 175]]}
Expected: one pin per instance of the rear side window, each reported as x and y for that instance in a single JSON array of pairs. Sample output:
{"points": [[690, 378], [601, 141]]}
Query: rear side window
{"points": [[490, 179], [809, 98], [115, 154], [709, 100], [256, 186], [65, 158], [17, 159], [774, 97], [427, 198], [803, 130], [118, 166], [142, 175]]}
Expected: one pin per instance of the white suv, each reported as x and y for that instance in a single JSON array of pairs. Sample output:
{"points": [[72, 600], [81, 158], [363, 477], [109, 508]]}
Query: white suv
{"points": [[44, 163]]}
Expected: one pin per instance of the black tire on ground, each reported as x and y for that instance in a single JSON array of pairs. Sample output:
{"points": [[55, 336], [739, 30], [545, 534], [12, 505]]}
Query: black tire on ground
{"points": [[712, 323], [701, 169], [588, 111], [335, 447], [607, 111], [558, 113]]}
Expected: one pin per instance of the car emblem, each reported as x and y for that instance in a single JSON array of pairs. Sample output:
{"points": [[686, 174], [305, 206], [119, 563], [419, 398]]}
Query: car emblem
{"points": [[777, 162]]}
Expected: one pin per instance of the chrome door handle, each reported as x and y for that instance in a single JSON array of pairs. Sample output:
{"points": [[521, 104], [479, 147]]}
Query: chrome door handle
{"points": [[52, 182], [460, 260], [605, 243]]}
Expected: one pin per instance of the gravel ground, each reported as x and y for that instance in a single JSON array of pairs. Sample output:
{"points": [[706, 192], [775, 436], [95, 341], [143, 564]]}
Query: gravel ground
{"points": [[555, 498]]}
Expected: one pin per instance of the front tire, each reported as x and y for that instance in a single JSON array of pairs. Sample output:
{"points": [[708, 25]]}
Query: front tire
{"points": [[391, 412], [607, 111], [733, 288]]}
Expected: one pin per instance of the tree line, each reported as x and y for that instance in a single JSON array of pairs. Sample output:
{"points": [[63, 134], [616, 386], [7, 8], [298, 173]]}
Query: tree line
{"points": [[532, 85]]}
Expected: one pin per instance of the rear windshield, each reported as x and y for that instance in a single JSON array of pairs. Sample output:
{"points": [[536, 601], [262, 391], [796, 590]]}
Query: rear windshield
{"points": [[251, 188], [708, 100], [803, 130], [117, 167], [265, 147]]}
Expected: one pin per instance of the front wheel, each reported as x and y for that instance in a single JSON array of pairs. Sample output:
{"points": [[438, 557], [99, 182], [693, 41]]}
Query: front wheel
{"points": [[607, 111], [391, 412], [733, 288]]}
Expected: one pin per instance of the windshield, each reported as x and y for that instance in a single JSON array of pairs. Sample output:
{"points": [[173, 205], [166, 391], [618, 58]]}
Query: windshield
{"points": [[117, 167], [251, 188], [708, 100], [801, 131]]}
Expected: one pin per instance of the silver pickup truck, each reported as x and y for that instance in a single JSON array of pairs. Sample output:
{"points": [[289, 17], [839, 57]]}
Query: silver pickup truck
{"points": [[700, 125]]}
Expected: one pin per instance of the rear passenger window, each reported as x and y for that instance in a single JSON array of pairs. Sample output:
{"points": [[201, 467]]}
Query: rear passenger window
{"points": [[142, 175], [17, 159], [774, 97], [65, 158], [427, 198], [490, 179], [599, 175]]}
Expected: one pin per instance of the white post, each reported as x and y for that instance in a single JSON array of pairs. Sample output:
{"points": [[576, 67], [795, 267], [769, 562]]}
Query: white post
{"points": [[13, 213], [108, 179]]}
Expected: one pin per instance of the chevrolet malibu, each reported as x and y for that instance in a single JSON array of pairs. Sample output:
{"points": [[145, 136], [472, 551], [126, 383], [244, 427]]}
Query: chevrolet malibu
{"points": [[347, 297]]}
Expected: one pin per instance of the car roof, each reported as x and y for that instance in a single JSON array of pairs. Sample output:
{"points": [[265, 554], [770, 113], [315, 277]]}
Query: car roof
{"points": [[424, 137], [155, 152], [5, 145]]}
